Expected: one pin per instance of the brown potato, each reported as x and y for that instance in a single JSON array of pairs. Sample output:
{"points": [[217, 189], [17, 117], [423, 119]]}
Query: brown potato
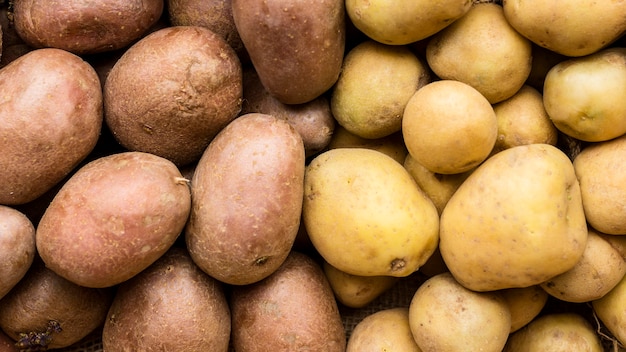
{"points": [[170, 306], [247, 194], [50, 120], [296, 47], [172, 92], [113, 218], [313, 120], [291, 310], [17, 247], [6, 343], [84, 27], [43, 297]]}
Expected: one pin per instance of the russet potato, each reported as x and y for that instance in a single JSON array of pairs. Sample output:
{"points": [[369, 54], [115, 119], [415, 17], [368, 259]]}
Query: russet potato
{"points": [[17, 247]]}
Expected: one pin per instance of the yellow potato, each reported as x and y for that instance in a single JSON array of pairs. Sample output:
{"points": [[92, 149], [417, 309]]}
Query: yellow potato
{"points": [[516, 221], [392, 145], [449, 127], [584, 96], [384, 330], [406, 21], [525, 303], [445, 316], [356, 291], [365, 214], [611, 310]]}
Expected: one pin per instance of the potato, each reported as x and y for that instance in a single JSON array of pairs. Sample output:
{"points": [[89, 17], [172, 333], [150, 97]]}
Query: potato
{"points": [[171, 99], [483, 50], [543, 61], [6, 343], [384, 330], [247, 199], [113, 218], [601, 170], [600, 268], [42, 298], [404, 22], [460, 137], [313, 120], [84, 27], [170, 306], [365, 214], [17, 247], [50, 120], [611, 310], [375, 84], [522, 119], [297, 48], [516, 221], [557, 332], [391, 145], [445, 316], [216, 15], [525, 304], [571, 28], [291, 310], [356, 291]]}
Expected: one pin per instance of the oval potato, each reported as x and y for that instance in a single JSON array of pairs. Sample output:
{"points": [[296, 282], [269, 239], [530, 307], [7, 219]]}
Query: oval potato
{"points": [[17, 247]]}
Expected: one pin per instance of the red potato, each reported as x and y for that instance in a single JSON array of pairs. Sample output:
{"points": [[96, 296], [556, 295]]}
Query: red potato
{"points": [[17, 247], [50, 120], [113, 218]]}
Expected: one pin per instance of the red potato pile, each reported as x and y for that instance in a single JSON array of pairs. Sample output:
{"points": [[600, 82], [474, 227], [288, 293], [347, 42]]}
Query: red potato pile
{"points": [[263, 175]]}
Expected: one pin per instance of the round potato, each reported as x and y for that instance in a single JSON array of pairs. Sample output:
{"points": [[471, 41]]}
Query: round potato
{"points": [[365, 214], [45, 310], [525, 304], [50, 120], [84, 27], [247, 199], [384, 330], [17, 247], [170, 306], [113, 218], [171, 99]]}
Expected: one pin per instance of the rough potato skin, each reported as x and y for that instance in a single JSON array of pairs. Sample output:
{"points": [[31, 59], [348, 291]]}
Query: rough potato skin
{"points": [[247, 194], [6, 343], [43, 296], [172, 92], [296, 47], [291, 310], [50, 120], [84, 26], [17, 247], [170, 306], [113, 218]]}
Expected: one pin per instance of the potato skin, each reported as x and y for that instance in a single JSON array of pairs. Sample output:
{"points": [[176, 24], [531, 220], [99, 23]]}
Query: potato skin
{"points": [[84, 27], [43, 296], [17, 247], [247, 194], [170, 306], [296, 47], [291, 310], [113, 218], [50, 120], [172, 92]]}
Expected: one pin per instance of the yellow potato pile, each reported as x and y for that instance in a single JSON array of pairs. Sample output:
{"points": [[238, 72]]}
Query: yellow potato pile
{"points": [[240, 175]]}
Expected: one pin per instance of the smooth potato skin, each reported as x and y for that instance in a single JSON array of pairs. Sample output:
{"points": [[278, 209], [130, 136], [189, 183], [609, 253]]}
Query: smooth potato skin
{"points": [[170, 306], [291, 310], [247, 194], [113, 218], [172, 92], [43, 296], [50, 120], [17, 247], [296, 47], [84, 27]]}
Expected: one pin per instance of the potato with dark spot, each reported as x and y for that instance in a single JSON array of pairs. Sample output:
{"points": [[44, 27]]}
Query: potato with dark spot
{"points": [[296, 47], [84, 27], [172, 92], [247, 194], [50, 120], [291, 310], [51, 311], [170, 306], [113, 218], [17, 247]]}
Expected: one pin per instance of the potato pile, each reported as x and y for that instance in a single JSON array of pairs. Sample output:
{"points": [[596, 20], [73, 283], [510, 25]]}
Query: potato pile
{"points": [[245, 175]]}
